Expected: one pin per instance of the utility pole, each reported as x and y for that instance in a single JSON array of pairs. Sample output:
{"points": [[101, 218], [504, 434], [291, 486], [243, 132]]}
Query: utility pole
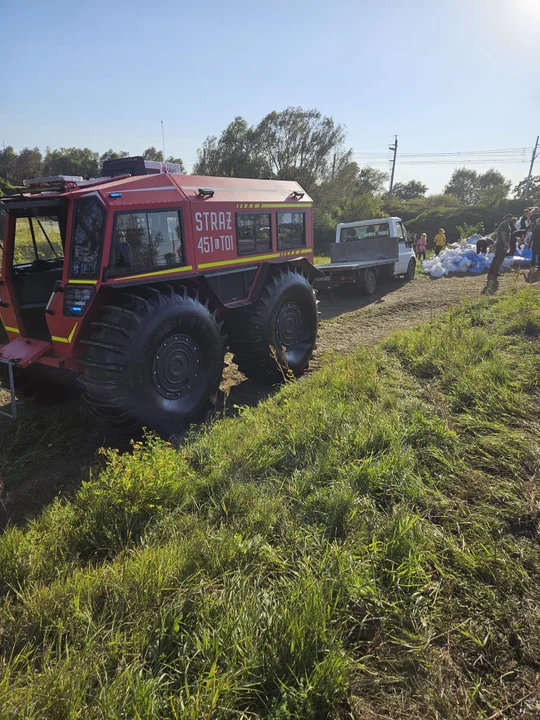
{"points": [[394, 148], [333, 166], [533, 158]]}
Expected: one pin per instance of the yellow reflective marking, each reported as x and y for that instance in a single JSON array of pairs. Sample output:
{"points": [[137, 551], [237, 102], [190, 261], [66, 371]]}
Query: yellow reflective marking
{"points": [[68, 339], [299, 251], [13, 330], [273, 205], [152, 274], [300, 206], [82, 282], [235, 261]]}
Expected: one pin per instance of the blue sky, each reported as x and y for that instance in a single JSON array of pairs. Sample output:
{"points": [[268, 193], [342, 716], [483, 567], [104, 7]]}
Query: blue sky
{"points": [[452, 75]]}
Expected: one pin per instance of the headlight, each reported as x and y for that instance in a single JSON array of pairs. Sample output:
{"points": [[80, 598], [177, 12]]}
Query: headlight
{"points": [[76, 300]]}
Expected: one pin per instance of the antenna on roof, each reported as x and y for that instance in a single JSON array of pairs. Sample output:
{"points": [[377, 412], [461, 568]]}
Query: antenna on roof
{"points": [[163, 140]]}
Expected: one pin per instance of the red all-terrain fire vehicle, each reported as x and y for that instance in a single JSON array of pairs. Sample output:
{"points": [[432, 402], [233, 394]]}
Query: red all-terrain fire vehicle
{"points": [[137, 282]]}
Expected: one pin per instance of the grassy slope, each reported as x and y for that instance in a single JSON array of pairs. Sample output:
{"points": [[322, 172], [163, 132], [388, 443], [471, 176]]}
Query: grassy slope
{"points": [[364, 544]]}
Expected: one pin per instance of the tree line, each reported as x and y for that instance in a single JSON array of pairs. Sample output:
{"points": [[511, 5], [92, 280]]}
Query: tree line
{"points": [[31, 163], [301, 145]]}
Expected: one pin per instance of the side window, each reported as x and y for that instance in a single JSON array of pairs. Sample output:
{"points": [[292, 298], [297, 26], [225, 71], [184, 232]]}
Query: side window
{"points": [[291, 230], [87, 239], [253, 233], [154, 238], [400, 233]]}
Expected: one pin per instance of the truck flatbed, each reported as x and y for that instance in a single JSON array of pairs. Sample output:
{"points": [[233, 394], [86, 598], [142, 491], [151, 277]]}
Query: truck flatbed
{"points": [[353, 265]]}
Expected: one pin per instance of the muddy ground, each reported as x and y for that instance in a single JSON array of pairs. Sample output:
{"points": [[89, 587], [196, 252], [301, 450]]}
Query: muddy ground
{"points": [[50, 450]]}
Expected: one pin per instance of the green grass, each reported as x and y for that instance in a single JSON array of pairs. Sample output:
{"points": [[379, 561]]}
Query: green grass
{"points": [[321, 259], [364, 544], [24, 248]]}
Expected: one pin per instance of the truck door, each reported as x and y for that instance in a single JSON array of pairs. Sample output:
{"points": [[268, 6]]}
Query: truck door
{"points": [[405, 253]]}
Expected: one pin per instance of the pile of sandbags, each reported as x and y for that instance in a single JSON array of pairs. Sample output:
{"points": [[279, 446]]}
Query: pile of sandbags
{"points": [[462, 257]]}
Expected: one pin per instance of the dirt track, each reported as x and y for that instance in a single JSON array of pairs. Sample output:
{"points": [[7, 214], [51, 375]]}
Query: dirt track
{"points": [[51, 450], [349, 321]]}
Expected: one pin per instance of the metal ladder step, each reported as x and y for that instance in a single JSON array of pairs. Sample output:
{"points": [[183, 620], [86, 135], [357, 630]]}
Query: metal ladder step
{"points": [[12, 415]]}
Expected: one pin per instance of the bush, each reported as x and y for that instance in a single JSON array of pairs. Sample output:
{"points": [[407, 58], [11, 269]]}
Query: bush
{"points": [[451, 219]]}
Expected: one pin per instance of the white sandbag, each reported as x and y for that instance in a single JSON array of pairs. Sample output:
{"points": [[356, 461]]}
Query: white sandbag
{"points": [[438, 271]]}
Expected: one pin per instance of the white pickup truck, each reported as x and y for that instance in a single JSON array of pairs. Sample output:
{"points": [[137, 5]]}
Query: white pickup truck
{"points": [[366, 251]]}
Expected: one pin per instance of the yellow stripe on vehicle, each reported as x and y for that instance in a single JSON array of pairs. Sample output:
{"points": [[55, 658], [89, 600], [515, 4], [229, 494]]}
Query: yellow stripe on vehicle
{"points": [[13, 330], [172, 271], [235, 261], [298, 206], [82, 282], [68, 339]]}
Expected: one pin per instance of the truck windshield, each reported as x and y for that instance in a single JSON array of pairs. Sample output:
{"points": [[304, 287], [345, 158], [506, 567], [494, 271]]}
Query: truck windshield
{"points": [[37, 238], [376, 230]]}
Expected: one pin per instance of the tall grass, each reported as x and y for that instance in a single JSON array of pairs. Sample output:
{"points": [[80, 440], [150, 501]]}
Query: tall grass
{"points": [[364, 544]]}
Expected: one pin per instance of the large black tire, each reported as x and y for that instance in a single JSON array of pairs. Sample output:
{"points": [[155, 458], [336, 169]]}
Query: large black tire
{"points": [[411, 270], [277, 334], [154, 358], [367, 281]]}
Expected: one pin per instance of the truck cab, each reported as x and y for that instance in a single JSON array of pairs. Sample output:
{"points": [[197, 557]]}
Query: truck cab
{"points": [[391, 227]]}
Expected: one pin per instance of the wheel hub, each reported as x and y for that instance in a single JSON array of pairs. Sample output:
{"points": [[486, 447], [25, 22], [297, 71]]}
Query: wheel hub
{"points": [[289, 324], [176, 366]]}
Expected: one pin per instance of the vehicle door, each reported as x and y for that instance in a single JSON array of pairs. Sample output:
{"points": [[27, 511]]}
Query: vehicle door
{"points": [[405, 251]]}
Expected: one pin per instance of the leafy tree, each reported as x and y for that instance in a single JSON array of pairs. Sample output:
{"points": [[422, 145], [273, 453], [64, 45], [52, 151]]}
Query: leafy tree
{"points": [[328, 194], [370, 180], [28, 164], [533, 196], [493, 197], [491, 179], [409, 191], [71, 161], [471, 188], [235, 154], [152, 153], [8, 161], [464, 185], [297, 144], [293, 144], [441, 200], [178, 161], [361, 207]]}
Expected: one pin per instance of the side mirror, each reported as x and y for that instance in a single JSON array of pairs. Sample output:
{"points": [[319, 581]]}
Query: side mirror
{"points": [[124, 256]]}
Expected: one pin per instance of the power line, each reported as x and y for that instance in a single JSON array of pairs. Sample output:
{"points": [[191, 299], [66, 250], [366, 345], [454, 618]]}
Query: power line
{"points": [[502, 151]]}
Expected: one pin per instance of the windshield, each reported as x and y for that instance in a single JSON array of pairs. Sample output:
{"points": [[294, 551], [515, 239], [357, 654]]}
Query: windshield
{"points": [[37, 238]]}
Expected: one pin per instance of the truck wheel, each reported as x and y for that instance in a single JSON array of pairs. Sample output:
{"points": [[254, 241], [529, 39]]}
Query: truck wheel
{"points": [[367, 282], [278, 333], [153, 358], [411, 270]]}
